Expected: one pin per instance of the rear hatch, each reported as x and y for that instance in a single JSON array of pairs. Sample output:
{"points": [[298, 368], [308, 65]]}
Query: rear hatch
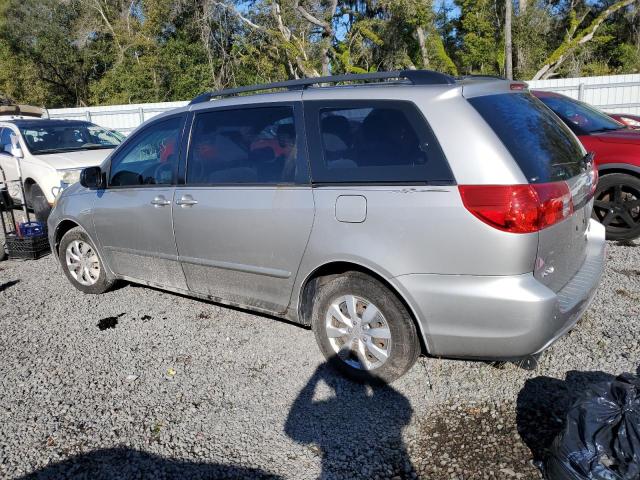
{"points": [[558, 170]]}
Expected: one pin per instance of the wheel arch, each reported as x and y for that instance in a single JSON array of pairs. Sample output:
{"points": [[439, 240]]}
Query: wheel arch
{"points": [[28, 183], [62, 228], [628, 169], [323, 273], [67, 224]]}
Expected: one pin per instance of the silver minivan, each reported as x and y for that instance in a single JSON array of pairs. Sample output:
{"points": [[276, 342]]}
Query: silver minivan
{"points": [[394, 213]]}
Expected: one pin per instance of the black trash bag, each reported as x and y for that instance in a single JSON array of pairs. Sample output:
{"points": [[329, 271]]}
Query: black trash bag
{"points": [[601, 437]]}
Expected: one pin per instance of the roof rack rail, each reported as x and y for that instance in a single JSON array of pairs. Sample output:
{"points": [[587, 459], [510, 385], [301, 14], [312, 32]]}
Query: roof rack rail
{"points": [[415, 77]]}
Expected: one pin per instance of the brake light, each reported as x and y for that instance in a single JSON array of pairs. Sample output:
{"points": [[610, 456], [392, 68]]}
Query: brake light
{"points": [[518, 86], [519, 208]]}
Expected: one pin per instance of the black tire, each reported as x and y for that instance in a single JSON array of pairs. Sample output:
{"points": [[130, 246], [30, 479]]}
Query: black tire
{"points": [[404, 347], [617, 205], [103, 282], [39, 203]]}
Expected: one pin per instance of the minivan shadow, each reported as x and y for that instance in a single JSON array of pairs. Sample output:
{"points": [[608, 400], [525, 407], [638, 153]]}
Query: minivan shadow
{"points": [[126, 463]]}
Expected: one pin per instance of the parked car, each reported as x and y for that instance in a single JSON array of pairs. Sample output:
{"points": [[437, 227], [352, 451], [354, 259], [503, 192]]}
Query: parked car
{"points": [[420, 213], [617, 154], [51, 154], [631, 121]]}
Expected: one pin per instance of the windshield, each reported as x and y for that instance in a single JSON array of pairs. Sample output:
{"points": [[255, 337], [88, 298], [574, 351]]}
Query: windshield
{"points": [[41, 139], [583, 119]]}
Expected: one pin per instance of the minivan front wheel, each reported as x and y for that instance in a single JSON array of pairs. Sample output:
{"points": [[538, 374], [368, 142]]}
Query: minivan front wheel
{"points": [[82, 264], [363, 329]]}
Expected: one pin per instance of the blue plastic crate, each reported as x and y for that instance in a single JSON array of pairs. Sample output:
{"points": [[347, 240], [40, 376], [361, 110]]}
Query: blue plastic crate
{"points": [[32, 229]]}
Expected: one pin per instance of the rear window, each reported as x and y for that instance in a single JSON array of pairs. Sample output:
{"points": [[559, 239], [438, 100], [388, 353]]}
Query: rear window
{"points": [[376, 142], [541, 144]]}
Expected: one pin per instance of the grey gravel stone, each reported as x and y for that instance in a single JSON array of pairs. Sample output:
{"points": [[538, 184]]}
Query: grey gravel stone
{"points": [[222, 393]]}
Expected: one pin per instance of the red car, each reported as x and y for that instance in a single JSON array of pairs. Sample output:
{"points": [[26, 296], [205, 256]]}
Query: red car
{"points": [[632, 121], [617, 155]]}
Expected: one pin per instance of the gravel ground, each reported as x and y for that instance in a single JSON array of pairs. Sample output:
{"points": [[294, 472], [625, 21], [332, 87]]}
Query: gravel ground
{"points": [[139, 383]]}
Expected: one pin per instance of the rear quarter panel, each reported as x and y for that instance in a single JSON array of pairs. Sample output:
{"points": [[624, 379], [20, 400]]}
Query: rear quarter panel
{"points": [[414, 230]]}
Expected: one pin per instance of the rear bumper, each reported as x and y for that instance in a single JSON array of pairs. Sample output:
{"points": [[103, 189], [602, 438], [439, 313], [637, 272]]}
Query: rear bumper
{"points": [[501, 317]]}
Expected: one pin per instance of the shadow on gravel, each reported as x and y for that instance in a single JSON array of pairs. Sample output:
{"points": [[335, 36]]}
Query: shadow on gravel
{"points": [[126, 463], [356, 428], [6, 285], [543, 404]]}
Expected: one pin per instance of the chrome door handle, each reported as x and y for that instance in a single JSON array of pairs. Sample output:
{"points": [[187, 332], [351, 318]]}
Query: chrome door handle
{"points": [[186, 201], [160, 201]]}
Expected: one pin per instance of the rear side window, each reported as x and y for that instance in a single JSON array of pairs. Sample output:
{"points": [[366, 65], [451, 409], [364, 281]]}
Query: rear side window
{"points": [[249, 145], [541, 144], [376, 141]]}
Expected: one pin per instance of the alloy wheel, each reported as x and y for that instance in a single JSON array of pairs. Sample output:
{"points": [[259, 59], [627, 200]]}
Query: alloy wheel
{"points": [[618, 207]]}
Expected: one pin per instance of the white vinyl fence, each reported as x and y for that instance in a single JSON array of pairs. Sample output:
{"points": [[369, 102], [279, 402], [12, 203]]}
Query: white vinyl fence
{"points": [[613, 93]]}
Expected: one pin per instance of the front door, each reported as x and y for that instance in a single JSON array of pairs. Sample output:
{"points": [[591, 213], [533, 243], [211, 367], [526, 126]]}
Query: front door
{"points": [[243, 218], [132, 216]]}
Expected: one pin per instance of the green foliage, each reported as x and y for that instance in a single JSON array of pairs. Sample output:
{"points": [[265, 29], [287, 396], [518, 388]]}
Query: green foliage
{"points": [[77, 52], [480, 34]]}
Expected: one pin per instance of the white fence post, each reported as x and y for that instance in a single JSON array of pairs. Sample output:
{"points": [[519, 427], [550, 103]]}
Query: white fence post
{"points": [[581, 92]]}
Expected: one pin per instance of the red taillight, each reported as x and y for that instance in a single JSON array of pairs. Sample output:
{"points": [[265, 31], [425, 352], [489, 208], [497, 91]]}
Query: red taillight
{"points": [[518, 86], [518, 208]]}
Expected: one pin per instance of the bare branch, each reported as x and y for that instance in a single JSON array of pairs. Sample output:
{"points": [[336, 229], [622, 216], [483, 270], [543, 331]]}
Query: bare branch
{"points": [[310, 18]]}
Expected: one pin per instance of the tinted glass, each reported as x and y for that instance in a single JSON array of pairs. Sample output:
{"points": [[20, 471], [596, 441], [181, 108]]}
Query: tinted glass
{"points": [[544, 148], [251, 145], [378, 142], [580, 117], [67, 137], [150, 157]]}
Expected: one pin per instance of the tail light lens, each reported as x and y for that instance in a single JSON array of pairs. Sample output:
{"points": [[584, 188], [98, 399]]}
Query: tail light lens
{"points": [[519, 208]]}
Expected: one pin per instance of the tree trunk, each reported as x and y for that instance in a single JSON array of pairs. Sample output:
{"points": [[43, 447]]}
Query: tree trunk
{"points": [[508, 46], [422, 42]]}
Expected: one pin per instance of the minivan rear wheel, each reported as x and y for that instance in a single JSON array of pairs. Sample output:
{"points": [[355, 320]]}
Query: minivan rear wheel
{"points": [[81, 263], [617, 205], [363, 329]]}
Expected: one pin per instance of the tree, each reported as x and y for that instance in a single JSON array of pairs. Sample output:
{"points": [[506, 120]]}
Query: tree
{"points": [[479, 37], [574, 39]]}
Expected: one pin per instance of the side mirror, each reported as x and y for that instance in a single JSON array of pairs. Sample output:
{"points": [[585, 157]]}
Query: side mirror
{"points": [[91, 177]]}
